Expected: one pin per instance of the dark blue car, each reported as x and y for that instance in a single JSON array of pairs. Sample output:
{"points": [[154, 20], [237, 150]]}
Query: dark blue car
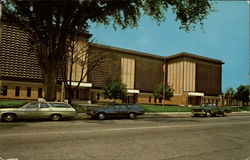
{"points": [[115, 110]]}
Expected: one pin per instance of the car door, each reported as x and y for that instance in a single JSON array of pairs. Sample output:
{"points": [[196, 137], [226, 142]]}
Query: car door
{"points": [[30, 110], [115, 111], [123, 110], [45, 110]]}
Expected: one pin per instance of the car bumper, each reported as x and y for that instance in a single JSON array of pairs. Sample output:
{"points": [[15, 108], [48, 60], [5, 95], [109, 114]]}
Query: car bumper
{"points": [[198, 113]]}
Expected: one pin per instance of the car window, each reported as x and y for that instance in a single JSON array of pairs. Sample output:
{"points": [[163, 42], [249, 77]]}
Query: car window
{"points": [[44, 105], [116, 107], [32, 105], [123, 107], [60, 105]]}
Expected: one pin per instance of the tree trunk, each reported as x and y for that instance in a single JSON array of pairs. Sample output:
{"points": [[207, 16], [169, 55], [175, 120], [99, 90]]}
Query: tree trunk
{"points": [[70, 91], [50, 79]]}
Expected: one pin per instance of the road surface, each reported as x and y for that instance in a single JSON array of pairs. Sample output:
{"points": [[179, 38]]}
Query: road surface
{"points": [[146, 138]]}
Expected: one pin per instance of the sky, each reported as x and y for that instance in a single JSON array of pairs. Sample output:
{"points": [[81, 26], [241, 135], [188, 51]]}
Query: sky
{"points": [[225, 37]]}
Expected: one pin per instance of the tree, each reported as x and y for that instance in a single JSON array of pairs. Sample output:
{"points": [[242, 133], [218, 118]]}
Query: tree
{"points": [[229, 95], [115, 89], [158, 92], [242, 94], [79, 58], [51, 23]]}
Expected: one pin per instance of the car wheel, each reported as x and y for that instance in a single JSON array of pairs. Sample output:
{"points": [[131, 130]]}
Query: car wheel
{"points": [[132, 115], [208, 114], [225, 113], [8, 117], [101, 116], [55, 117], [195, 115]]}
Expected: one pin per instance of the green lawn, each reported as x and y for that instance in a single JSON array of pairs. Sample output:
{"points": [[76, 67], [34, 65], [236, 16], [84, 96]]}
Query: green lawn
{"points": [[240, 109], [12, 104]]}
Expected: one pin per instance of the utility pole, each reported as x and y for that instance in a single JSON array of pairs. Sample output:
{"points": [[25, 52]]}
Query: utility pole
{"points": [[164, 80]]}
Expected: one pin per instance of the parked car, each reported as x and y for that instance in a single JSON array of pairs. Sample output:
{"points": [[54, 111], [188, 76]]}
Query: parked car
{"points": [[208, 110], [115, 110], [52, 110]]}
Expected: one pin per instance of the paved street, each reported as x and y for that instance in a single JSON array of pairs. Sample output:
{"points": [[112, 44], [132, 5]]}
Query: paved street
{"points": [[146, 138]]}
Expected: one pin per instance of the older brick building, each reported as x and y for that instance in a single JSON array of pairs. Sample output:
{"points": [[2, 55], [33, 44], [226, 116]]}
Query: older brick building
{"points": [[195, 79]]}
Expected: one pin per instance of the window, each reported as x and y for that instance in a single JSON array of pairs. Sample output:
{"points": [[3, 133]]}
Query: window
{"points": [[60, 105], [32, 105], [44, 105], [149, 99], [160, 100], [40, 92], [28, 91], [154, 99], [77, 94], [5, 90], [17, 92], [128, 71], [123, 107], [98, 96]]}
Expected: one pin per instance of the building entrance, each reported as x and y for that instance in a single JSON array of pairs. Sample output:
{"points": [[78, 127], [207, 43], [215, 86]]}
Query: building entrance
{"points": [[131, 98], [193, 100]]}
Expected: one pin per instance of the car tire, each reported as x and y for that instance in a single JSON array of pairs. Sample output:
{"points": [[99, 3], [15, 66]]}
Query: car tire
{"points": [[9, 117], [101, 116], [208, 114], [225, 114], [55, 117], [132, 115], [195, 115]]}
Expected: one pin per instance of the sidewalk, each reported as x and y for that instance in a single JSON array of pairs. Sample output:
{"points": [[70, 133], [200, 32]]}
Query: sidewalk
{"points": [[167, 114]]}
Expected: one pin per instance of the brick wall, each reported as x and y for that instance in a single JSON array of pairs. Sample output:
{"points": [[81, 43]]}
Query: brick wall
{"points": [[148, 73], [208, 79], [23, 90]]}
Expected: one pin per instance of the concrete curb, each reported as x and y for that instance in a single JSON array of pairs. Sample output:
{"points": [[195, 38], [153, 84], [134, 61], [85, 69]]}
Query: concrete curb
{"points": [[81, 116]]}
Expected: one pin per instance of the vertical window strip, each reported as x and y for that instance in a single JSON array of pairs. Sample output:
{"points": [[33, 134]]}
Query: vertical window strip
{"points": [[17, 91], [28, 91], [40, 91], [5, 90]]}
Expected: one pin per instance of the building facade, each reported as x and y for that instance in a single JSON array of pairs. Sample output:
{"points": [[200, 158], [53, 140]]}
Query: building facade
{"points": [[195, 79]]}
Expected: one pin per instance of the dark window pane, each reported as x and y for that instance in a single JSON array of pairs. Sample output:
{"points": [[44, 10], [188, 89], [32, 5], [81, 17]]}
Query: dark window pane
{"points": [[77, 94], [98, 96], [17, 92], [28, 91], [40, 92], [149, 100], [5, 90]]}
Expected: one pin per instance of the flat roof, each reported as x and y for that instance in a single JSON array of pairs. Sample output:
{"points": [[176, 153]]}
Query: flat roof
{"points": [[193, 56], [127, 51], [175, 56]]}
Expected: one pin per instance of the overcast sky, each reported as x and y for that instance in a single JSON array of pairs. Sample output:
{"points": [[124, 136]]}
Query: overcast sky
{"points": [[225, 37]]}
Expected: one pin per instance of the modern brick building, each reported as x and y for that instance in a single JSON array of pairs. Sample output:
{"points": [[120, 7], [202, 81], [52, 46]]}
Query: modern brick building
{"points": [[195, 79]]}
